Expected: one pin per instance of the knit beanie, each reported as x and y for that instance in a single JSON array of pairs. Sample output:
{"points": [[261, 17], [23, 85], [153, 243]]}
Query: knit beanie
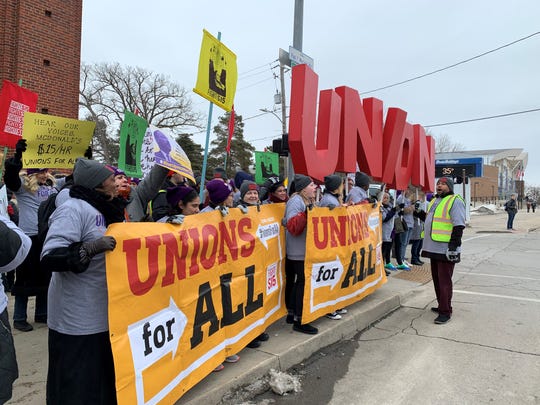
{"points": [[448, 181], [219, 173], [90, 173], [246, 186], [301, 182], [116, 170], [177, 194], [218, 191], [240, 176], [361, 179], [272, 184], [30, 172], [332, 182]]}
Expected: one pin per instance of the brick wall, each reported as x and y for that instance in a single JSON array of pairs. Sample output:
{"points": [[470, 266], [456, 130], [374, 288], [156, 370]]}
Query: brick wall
{"points": [[40, 43]]}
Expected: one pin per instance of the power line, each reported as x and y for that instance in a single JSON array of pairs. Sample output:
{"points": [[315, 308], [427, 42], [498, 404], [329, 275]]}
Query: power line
{"points": [[257, 68], [453, 65], [482, 118]]}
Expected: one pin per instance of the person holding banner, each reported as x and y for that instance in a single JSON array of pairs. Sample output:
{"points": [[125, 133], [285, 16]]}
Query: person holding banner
{"points": [[30, 189], [81, 368], [332, 198], [159, 207], [220, 196], [182, 201], [275, 190], [359, 193], [295, 222], [14, 245]]}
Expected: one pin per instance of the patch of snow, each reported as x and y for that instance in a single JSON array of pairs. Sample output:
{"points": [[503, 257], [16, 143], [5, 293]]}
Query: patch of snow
{"points": [[282, 383]]}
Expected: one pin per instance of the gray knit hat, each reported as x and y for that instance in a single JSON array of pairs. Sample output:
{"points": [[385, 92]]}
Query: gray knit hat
{"points": [[246, 186], [301, 182], [361, 179], [90, 173], [332, 182], [448, 181]]}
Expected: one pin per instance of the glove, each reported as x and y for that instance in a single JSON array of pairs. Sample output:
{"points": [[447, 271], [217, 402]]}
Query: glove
{"points": [[20, 147], [224, 210], [331, 207], [309, 207], [453, 256], [99, 245], [176, 219], [402, 205], [243, 208], [88, 153], [417, 206]]}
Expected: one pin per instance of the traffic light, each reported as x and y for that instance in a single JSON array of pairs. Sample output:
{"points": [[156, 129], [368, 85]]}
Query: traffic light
{"points": [[281, 145]]}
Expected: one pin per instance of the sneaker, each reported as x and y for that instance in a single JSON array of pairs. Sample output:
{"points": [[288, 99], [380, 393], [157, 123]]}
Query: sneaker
{"points": [[263, 337], [218, 368], [417, 263], [23, 326], [435, 309], [442, 319], [387, 272], [406, 263], [307, 328], [390, 266], [403, 267], [254, 344], [334, 315], [342, 311], [232, 359]]}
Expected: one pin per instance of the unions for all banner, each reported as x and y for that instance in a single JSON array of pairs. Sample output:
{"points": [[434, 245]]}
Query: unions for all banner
{"points": [[343, 258], [182, 298]]}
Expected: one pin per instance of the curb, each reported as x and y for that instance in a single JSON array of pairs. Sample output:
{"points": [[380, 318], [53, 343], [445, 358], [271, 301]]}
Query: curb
{"points": [[287, 348]]}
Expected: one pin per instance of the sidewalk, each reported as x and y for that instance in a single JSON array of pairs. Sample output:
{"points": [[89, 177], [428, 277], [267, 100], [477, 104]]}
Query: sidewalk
{"points": [[285, 347]]}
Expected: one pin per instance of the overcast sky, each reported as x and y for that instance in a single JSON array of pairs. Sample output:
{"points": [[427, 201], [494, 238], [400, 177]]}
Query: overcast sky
{"points": [[361, 44]]}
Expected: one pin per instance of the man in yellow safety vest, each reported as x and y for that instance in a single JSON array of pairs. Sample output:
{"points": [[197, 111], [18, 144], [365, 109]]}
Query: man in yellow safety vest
{"points": [[443, 228]]}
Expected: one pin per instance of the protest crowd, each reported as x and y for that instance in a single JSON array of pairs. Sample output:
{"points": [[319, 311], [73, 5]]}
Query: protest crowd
{"points": [[57, 252]]}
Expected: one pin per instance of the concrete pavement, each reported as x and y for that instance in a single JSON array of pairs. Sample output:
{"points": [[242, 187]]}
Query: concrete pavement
{"points": [[285, 347]]}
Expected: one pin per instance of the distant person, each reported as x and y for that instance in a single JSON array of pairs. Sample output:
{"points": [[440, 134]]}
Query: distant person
{"points": [[511, 209], [359, 193], [388, 215], [182, 200], [444, 225]]}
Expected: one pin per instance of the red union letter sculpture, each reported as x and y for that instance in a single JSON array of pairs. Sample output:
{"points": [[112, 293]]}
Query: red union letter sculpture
{"points": [[350, 131]]}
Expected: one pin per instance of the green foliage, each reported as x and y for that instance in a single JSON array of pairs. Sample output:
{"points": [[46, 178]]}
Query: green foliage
{"points": [[194, 151], [241, 156]]}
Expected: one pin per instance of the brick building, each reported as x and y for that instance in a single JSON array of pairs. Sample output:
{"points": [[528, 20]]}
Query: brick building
{"points": [[40, 44]]}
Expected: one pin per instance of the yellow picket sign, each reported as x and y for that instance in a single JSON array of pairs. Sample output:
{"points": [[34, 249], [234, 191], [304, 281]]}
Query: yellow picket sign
{"points": [[54, 142], [217, 75], [183, 297], [343, 261]]}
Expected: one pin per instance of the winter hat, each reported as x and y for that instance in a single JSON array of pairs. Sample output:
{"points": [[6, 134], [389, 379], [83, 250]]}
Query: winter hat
{"points": [[301, 182], [272, 184], [332, 182], [90, 173], [361, 179], [219, 173], [240, 176], [177, 194], [30, 172], [218, 191], [246, 186], [116, 170], [448, 181]]}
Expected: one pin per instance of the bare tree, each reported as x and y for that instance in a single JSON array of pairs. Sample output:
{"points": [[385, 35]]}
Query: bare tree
{"points": [[107, 90], [444, 143]]}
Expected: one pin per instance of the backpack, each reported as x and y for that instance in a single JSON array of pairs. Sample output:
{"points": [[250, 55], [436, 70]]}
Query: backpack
{"points": [[45, 210]]}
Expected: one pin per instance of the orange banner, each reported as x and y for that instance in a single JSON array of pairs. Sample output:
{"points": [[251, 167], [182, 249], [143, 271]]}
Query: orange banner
{"points": [[343, 258], [183, 297]]}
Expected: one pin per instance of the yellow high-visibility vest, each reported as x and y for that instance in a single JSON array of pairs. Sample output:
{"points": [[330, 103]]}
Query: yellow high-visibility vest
{"points": [[441, 226]]}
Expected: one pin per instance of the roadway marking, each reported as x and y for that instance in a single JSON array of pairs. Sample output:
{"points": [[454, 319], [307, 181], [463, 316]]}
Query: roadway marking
{"points": [[495, 275], [510, 297]]}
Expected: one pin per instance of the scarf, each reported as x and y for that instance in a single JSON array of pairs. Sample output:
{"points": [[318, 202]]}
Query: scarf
{"points": [[112, 210], [274, 199]]}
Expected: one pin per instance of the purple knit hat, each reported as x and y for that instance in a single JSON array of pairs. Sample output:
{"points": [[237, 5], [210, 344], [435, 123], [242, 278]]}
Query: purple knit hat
{"points": [[29, 172], [177, 194], [218, 191], [116, 170]]}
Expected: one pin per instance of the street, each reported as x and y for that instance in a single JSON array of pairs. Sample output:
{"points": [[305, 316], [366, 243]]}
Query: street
{"points": [[488, 353]]}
